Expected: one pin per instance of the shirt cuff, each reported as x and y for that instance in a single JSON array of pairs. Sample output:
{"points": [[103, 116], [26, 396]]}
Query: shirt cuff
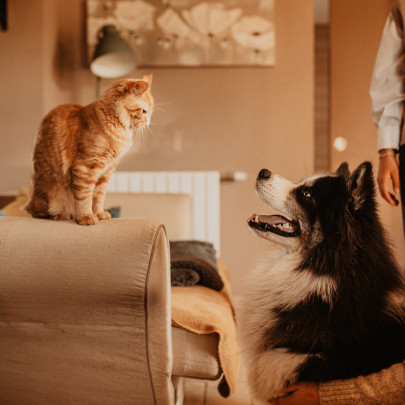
{"points": [[388, 137]]}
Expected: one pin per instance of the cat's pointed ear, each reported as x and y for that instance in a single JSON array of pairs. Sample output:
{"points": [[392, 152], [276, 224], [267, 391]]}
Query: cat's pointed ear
{"points": [[148, 79], [140, 87]]}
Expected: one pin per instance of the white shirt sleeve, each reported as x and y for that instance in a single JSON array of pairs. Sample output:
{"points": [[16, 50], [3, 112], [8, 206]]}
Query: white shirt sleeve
{"points": [[387, 86]]}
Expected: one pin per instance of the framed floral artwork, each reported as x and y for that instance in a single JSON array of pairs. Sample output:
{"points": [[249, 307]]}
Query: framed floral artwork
{"points": [[176, 33]]}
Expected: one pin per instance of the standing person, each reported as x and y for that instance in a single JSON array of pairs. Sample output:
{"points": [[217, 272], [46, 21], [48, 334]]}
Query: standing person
{"points": [[388, 96]]}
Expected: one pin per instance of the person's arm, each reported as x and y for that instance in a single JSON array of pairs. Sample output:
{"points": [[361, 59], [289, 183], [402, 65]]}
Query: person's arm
{"points": [[388, 170], [387, 387], [387, 96], [387, 85]]}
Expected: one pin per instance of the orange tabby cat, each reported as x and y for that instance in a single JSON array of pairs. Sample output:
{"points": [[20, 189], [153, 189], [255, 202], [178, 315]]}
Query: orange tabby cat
{"points": [[79, 147]]}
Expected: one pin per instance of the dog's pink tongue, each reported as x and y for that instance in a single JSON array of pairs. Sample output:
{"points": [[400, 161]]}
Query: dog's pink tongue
{"points": [[270, 219]]}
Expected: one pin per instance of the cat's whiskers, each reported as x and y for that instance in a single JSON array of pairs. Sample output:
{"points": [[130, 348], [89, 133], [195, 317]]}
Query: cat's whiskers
{"points": [[158, 106], [153, 124], [145, 137]]}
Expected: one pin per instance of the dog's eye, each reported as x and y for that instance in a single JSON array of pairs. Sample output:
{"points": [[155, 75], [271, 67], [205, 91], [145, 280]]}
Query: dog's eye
{"points": [[144, 111], [306, 193]]}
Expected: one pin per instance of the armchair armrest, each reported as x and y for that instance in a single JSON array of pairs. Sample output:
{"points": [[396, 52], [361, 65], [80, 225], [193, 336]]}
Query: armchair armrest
{"points": [[85, 312]]}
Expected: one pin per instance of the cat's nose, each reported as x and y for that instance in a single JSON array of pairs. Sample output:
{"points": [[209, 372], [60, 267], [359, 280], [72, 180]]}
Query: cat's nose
{"points": [[264, 174]]}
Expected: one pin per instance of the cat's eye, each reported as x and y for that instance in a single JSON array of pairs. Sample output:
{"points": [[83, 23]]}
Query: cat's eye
{"points": [[144, 111]]}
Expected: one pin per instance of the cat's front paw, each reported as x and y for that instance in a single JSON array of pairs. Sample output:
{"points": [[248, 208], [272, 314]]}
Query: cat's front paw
{"points": [[58, 217], [103, 215], [87, 220]]}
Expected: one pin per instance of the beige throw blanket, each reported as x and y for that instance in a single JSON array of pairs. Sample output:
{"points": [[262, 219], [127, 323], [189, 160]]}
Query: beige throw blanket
{"points": [[203, 310]]}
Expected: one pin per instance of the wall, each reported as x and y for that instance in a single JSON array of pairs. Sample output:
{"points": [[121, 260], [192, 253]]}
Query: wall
{"points": [[322, 98], [356, 28], [21, 95], [208, 119]]}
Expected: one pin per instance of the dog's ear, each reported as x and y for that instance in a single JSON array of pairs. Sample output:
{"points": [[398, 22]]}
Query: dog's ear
{"points": [[343, 170], [362, 185]]}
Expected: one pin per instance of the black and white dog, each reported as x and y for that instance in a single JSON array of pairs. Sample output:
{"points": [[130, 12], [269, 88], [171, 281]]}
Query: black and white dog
{"points": [[330, 303]]}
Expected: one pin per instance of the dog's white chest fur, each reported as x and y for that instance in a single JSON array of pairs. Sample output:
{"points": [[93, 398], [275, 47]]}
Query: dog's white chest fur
{"points": [[273, 284]]}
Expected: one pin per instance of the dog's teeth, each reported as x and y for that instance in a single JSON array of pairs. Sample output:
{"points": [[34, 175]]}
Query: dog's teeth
{"points": [[257, 218]]}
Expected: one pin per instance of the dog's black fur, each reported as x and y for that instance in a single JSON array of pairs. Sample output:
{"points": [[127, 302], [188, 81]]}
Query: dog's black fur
{"points": [[337, 236]]}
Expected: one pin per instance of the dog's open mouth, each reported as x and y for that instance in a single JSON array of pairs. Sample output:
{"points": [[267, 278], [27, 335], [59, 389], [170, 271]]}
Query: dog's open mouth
{"points": [[274, 223]]}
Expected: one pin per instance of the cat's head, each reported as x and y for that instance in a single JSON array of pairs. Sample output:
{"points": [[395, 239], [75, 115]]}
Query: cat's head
{"points": [[132, 101]]}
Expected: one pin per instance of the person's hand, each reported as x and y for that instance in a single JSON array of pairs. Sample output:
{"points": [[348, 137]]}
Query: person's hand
{"points": [[388, 170], [301, 394]]}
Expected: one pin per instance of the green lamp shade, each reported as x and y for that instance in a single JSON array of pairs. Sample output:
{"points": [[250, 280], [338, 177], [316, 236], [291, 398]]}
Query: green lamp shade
{"points": [[113, 57]]}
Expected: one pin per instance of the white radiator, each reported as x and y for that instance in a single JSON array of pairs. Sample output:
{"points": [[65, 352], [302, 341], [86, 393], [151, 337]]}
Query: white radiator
{"points": [[203, 186]]}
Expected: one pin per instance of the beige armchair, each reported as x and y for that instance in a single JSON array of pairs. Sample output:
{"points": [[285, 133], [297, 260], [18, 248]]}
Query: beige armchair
{"points": [[85, 312]]}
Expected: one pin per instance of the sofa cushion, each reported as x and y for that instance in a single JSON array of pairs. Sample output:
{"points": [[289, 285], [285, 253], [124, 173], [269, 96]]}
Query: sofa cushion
{"points": [[173, 210], [195, 356], [14, 208]]}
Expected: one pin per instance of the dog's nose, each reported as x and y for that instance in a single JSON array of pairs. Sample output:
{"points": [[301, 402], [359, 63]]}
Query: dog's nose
{"points": [[264, 174]]}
